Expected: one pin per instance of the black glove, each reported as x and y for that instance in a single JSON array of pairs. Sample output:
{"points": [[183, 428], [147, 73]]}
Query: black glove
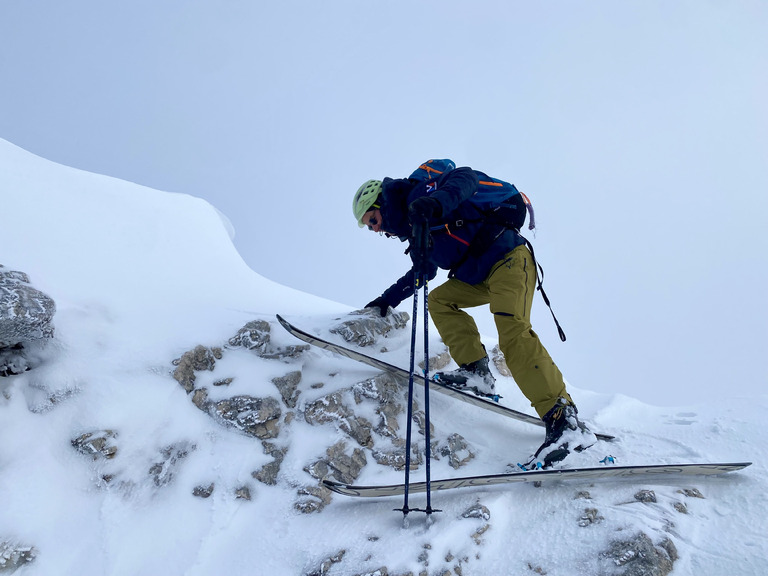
{"points": [[424, 209], [420, 249], [379, 303]]}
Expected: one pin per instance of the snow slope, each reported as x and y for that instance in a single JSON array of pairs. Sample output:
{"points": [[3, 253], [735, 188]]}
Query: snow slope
{"points": [[141, 276]]}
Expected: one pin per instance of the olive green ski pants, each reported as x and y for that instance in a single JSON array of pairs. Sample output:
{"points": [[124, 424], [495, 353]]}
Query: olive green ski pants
{"points": [[509, 290]]}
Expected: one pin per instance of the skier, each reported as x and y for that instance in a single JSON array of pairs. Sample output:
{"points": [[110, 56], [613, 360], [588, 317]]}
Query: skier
{"points": [[489, 263]]}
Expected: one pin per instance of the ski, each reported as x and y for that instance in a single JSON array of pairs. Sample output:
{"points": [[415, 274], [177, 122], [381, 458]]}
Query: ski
{"points": [[403, 374], [664, 471]]}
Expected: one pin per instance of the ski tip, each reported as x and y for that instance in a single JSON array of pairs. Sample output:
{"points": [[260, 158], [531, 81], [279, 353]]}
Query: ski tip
{"points": [[285, 324], [334, 486]]}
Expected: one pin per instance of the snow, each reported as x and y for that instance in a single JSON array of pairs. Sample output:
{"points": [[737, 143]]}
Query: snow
{"points": [[140, 276]]}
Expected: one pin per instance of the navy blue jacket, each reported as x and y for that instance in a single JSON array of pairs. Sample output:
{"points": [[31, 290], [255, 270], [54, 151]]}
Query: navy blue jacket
{"points": [[462, 241]]}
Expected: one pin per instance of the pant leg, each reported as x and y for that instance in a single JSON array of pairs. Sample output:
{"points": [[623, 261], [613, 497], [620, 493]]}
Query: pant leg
{"points": [[512, 285], [457, 328]]}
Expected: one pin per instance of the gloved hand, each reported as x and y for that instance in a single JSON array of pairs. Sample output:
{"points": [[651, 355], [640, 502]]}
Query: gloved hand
{"points": [[424, 209], [420, 249], [379, 303]]}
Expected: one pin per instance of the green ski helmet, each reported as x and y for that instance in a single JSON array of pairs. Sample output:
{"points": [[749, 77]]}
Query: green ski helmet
{"points": [[365, 198]]}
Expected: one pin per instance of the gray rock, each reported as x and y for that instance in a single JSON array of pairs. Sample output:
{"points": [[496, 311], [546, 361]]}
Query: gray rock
{"points": [[396, 458], [26, 314], [339, 465], [691, 493], [336, 464], [203, 491], [267, 474], [366, 327], [420, 418], [255, 336], [243, 493], [200, 399], [331, 408], [288, 387], [437, 362], [325, 566], [477, 511], [589, 517], [163, 472], [196, 360], [639, 557], [14, 556], [383, 571], [97, 444], [390, 396], [646, 496], [477, 536], [312, 499], [457, 450], [680, 507], [13, 360], [285, 352], [44, 399], [257, 417]]}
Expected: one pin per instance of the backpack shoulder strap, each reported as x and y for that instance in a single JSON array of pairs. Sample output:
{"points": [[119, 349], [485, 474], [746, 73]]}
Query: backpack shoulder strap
{"points": [[432, 169]]}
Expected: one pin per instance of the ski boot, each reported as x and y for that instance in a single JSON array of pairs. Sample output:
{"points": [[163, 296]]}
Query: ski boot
{"points": [[474, 377], [565, 432]]}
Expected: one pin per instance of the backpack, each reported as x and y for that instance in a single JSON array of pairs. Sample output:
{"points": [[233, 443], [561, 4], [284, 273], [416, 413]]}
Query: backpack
{"points": [[498, 201]]}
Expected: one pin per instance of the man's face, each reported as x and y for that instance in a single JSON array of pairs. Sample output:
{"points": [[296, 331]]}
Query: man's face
{"points": [[372, 219]]}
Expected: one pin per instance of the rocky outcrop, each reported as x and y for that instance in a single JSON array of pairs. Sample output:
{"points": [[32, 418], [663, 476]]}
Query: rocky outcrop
{"points": [[638, 556], [267, 474], [365, 328], [164, 469], [198, 359], [457, 450], [255, 416], [265, 416], [333, 409], [26, 313], [387, 393], [288, 387], [258, 417], [26, 316], [360, 424], [97, 444], [14, 556], [13, 360], [255, 336], [338, 464], [450, 556]]}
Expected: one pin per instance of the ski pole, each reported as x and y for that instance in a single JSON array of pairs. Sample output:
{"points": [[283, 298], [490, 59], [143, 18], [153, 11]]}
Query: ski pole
{"points": [[421, 234], [428, 449], [409, 410], [427, 432]]}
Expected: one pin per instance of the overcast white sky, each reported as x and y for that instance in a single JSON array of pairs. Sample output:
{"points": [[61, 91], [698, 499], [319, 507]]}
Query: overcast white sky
{"points": [[639, 129]]}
